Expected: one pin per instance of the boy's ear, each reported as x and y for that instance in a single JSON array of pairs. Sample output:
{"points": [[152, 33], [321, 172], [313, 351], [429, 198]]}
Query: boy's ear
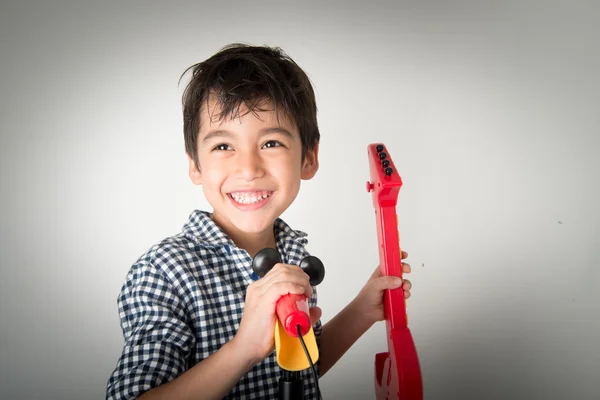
{"points": [[193, 171], [310, 166]]}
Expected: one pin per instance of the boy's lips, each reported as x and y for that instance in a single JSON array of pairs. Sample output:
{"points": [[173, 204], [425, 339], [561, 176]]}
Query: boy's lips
{"points": [[250, 199]]}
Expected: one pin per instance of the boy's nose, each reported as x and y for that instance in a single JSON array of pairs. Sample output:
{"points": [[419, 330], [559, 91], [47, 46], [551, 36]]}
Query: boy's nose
{"points": [[249, 166]]}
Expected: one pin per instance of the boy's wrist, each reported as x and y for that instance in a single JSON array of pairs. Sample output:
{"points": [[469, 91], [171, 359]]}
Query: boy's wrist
{"points": [[361, 314], [243, 353]]}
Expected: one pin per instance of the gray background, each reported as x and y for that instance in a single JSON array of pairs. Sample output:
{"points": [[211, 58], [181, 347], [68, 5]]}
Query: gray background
{"points": [[490, 109]]}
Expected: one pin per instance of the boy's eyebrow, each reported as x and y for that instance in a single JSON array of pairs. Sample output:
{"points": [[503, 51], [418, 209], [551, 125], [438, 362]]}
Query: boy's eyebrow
{"points": [[277, 129], [225, 133]]}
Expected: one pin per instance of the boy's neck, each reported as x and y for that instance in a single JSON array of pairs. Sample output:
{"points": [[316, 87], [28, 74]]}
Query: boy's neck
{"points": [[251, 242]]}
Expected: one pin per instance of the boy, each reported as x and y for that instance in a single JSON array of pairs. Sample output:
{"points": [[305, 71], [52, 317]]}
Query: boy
{"points": [[197, 323]]}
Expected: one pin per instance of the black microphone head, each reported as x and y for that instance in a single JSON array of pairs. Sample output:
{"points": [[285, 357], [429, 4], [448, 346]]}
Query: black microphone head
{"points": [[264, 260], [314, 269]]}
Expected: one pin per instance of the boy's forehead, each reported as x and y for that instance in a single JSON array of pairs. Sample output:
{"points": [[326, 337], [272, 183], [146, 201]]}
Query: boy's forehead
{"points": [[263, 112]]}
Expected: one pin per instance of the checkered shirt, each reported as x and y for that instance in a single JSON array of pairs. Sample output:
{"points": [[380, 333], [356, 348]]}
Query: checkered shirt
{"points": [[183, 299]]}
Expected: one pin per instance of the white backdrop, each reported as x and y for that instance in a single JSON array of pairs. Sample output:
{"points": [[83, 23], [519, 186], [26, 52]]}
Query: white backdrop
{"points": [[490, 109]]}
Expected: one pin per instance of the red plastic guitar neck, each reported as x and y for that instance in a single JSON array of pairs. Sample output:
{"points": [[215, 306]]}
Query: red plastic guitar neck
{"points": [[397, 372]]}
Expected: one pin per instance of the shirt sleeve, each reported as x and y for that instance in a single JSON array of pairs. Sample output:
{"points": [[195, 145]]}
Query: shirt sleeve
{"points": [[157, 339]]}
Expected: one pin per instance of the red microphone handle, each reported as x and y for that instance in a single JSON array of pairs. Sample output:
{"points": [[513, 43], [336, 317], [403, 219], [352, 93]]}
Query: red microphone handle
{"points": [[292, 310]]}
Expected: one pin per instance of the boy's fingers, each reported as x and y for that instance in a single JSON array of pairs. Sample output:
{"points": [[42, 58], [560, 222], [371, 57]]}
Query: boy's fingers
{"points": [[407, 285], [404, 255], [283, 272], [277, 270], [269, 276], [278, 289], [406, 268]]}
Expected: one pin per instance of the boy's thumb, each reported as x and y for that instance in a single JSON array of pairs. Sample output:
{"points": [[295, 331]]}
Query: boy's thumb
{"points": [[315, 314], [389, 282]]}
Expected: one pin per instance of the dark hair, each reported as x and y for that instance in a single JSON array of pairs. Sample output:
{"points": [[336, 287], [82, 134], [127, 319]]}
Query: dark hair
{"points": [[249, 75]]}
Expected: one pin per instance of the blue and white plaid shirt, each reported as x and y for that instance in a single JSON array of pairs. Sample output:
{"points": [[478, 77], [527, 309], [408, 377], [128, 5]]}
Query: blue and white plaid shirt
{"points": [[183, 299]]}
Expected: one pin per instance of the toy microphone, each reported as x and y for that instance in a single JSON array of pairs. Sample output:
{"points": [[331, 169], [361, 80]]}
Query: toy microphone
{"points": [[295, 342], [292, 309]]}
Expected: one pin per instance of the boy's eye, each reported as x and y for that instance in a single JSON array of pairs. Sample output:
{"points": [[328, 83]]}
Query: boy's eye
{"points": [[272, 143], [222, 147]]}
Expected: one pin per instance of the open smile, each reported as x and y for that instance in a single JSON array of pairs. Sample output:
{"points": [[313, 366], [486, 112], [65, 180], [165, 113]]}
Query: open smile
{"points": [[250, 199]]}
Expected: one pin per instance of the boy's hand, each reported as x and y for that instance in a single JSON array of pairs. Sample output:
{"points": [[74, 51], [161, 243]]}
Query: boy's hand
{"points": [[255, 335], [370, 298]]}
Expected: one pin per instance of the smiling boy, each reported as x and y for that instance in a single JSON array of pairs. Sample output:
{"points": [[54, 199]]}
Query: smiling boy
{"points": [[197, 323], [250, 169]]}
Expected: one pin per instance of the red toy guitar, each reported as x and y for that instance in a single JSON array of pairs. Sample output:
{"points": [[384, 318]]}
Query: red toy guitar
{"points": [[397, 372]]}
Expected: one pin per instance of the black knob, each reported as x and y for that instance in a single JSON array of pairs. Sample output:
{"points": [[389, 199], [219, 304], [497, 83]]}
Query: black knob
{"points": [[264, 260], [379, 148], [314, 269], [385, 163], [388, 171], [382, 155]]}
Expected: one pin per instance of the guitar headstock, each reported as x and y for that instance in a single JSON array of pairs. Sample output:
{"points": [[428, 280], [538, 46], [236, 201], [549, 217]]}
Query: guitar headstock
{"points": [[385, 181]]}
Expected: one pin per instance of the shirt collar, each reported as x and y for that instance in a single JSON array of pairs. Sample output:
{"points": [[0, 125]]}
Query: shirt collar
{"points": [[207, 233]]}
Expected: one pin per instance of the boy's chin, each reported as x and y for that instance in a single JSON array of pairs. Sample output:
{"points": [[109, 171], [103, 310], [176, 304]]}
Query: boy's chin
{"points": [[248, 226]]}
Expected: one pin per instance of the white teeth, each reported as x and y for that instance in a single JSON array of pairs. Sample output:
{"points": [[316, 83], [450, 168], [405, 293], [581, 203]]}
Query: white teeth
{"points": [[249, 198]]}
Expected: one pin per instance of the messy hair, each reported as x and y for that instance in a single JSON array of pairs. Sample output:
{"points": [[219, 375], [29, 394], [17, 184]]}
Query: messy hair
{"points": [[241, 74]]}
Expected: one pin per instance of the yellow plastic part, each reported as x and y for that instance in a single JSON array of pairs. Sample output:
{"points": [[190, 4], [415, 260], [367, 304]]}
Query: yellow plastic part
{"points": [[289, 350]]}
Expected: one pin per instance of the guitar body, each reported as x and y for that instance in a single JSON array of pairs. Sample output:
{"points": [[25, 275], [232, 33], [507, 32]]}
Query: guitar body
{"points": [[397, 371]]}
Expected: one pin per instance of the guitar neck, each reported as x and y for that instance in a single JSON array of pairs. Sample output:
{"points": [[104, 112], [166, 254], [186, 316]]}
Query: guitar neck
{"points": [[390, 264], [385, 185]]}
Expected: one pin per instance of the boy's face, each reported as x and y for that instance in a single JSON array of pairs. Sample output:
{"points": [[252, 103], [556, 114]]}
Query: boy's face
{"points": [[250, 168]]}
